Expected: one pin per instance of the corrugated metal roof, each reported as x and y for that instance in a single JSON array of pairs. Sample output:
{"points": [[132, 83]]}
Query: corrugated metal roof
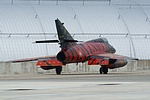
{"points": [[142, 47], [135, 20], [18, 19], [113, 20]]}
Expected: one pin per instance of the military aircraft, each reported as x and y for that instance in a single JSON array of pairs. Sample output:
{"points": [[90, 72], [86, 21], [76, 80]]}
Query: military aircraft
{"points": [[95, 52]]}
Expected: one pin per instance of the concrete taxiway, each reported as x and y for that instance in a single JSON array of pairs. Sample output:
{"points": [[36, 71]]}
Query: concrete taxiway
{"points": [[113, 86]]}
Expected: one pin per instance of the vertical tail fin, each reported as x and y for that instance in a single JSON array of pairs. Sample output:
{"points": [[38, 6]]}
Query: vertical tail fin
{"points": [[63, 35]]}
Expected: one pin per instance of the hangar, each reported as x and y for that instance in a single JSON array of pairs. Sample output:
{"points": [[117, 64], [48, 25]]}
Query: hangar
{"points": [[125, 23]]}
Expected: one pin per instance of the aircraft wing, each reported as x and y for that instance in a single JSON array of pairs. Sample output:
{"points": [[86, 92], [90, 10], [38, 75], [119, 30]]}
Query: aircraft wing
{"points": [[41, 61], [104, 59], [112, 56], [33, 59]]}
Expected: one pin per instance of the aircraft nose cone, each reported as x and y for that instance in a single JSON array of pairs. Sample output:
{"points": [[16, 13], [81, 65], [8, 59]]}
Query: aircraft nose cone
{"points": [[113, 50]]}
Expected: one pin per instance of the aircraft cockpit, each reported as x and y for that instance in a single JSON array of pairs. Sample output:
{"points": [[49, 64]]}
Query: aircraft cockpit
{"points": [[102, 40]]}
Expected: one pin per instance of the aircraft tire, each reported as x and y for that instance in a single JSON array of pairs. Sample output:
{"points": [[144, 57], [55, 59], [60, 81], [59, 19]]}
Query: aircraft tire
{"points": [[103, 70], [58, 70]]}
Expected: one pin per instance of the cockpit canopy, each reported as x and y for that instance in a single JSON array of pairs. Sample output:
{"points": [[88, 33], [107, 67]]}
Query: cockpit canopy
{"points": [[101, 40]]}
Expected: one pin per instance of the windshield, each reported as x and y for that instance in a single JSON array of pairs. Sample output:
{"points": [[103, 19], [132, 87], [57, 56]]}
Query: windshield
{"points": [[102, 40]]}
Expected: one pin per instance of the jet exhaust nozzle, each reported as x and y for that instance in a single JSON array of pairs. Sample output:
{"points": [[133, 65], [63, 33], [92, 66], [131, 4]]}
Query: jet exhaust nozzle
{"points": [[61, 56]]}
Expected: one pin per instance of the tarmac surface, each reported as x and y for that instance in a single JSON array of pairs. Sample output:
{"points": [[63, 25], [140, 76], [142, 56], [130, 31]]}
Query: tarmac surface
{"points": [[84, 86]]}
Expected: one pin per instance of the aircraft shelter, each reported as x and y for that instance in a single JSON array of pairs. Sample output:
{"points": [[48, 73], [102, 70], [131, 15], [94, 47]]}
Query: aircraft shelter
{"points": [[125, 23]]}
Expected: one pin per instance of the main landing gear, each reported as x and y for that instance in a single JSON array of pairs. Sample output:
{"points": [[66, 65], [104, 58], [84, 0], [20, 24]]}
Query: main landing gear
{"points": [[103, 70], [58, 70]]}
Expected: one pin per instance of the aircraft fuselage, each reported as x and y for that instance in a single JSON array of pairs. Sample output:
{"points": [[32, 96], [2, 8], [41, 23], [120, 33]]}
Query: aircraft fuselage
{"points": [[81, 52]]}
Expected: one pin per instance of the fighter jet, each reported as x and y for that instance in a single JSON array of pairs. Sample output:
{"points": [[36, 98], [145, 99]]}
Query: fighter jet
{"points": [[95, 52]]}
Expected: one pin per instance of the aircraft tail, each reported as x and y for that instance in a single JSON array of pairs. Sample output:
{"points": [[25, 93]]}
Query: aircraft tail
{"points": [[65, 39]]}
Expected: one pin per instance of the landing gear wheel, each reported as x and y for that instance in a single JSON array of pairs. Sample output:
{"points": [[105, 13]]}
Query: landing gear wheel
{"points": [[58, 70], [103, 70]]}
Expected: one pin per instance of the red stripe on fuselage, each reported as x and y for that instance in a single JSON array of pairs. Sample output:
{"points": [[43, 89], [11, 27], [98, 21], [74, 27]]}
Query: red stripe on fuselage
{"points": [[79, 53], [77, 50], [87, 48], [91, 47], [98, 46], [83, 51], [94, 46], [69, 55], [74, 54]]}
